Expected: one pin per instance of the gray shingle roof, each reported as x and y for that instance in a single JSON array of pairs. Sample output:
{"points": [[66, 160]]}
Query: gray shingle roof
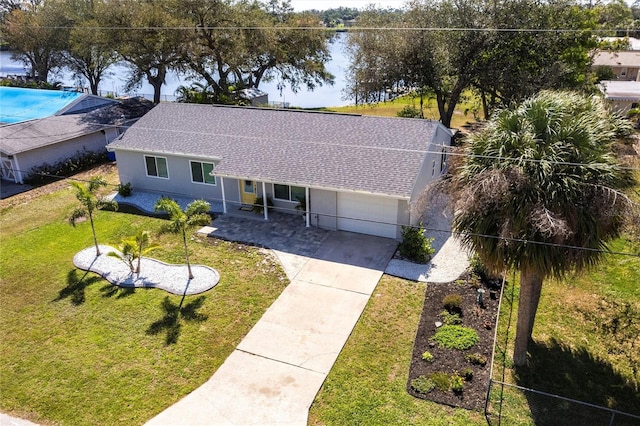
{"points": [[38, 133], [338, 151], [28, 135]]}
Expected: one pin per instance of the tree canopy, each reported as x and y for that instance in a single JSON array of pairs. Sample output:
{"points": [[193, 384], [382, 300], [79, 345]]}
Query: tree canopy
{"points": [[506, 50], [229, 44], [541, 191]]}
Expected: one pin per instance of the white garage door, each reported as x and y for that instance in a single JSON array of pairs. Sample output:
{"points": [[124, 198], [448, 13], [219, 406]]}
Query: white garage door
{"points": [[367, 214]]}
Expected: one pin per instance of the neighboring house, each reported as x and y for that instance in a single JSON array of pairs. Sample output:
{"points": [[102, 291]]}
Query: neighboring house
{"points": [[72, 132], [255, 97], [624, 64], [621, 95], [356, 173], [633, 43]]}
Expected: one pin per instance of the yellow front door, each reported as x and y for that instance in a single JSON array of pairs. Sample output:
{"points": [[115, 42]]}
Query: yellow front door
{"points": [[248, 189]]}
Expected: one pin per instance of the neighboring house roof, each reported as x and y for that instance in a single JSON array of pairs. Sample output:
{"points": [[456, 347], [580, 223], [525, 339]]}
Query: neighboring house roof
{"points": [[28, 135], [325, 150], [86, 103], [625, 58], [634, 43], [621, 90]]}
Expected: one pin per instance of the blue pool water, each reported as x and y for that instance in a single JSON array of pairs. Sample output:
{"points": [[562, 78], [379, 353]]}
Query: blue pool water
{"points": [[17, 104]]}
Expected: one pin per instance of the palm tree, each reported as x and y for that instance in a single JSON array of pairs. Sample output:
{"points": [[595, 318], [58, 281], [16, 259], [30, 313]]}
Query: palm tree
{"points": [[133, 248], [91, 201], [196, 213], [540, 191]]}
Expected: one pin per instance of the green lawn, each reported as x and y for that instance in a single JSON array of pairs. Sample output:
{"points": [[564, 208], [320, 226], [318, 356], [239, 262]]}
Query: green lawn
{"points": [[461, 116], [367, 385], [77, 350]]}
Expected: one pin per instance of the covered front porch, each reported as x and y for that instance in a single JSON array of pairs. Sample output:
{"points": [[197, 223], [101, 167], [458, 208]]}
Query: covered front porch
{"points": [[243, 195]]}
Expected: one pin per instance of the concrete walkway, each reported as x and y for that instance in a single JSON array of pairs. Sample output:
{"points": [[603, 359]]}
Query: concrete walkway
{"points": [[276, 371]]}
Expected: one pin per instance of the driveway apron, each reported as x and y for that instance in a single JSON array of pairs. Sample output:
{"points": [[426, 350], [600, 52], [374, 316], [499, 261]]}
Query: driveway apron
{"points": [[276, 371]]}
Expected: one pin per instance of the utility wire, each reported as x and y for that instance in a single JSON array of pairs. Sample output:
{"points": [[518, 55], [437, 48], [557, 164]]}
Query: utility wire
{"points": [[450, 149]]}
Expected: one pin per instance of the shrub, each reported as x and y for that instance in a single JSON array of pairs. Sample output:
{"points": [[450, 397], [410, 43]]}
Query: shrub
{"points": [[415, 245], [478, 268], [476, 359], [258, 205], [452, 302], [410, 112], [457, 383], [467, 373], [427, 356], [450, 319], [456, 337], [423, 384], [124, 189], [47, 173], [442, 381]]}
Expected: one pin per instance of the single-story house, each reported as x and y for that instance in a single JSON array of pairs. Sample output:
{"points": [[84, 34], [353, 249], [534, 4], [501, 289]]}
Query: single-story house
{"points": [[354, 173], [621, 95], [83, 127], [624, 64]]}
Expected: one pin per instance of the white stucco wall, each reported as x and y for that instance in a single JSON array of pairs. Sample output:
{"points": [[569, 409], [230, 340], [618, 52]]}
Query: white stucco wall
{"points": [[55, 153], [132, 168], [432, 166], [323, 208]]}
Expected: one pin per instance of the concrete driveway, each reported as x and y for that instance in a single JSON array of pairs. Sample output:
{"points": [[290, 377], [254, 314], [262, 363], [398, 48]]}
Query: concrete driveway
{"points": [[276, 371]]}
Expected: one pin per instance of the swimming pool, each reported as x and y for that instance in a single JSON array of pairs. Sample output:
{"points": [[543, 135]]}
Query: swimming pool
{"points": [[18, 104]]}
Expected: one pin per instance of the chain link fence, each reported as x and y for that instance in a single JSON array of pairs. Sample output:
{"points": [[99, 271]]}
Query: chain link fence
{"points": [[505, 401]]}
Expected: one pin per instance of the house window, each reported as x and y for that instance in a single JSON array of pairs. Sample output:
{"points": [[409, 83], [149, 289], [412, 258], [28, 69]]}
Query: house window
{"points": [[201, 172], [156, 166], [288, 193]]}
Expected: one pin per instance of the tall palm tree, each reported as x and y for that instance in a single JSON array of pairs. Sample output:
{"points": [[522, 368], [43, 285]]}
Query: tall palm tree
{"points": [[196, 213], [541, 192], [90, 201]]}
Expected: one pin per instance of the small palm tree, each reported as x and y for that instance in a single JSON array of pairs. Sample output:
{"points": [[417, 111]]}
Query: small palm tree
{"points": [[541, 192], [195, 214], [91, 201], [133, 248], [127, 253]]}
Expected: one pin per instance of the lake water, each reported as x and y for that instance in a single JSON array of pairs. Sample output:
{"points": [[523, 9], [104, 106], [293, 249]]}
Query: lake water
{"points": [[324, 96]]}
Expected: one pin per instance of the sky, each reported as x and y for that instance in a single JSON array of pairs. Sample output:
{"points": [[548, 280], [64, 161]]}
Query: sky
{"points": [[299, 5]]}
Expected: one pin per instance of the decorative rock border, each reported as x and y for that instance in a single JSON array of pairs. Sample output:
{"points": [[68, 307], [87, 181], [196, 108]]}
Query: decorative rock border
{"points": [[153, 273]]}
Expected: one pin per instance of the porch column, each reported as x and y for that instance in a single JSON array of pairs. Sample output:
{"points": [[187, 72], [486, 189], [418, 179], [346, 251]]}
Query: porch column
{"points": [[264, 201], [307, 204], [224, 199]]}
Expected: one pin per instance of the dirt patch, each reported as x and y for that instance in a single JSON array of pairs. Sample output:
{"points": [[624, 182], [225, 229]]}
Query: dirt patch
{"points": [[452, 361], [107, 170]]}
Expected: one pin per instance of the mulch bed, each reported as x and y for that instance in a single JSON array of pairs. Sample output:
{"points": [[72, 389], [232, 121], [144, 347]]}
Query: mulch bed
{"points": [[482, 319]]}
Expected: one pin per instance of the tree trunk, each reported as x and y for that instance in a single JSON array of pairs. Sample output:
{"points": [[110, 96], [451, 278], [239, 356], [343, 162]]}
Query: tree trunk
{"points": [[186, 253], [530, 288], [93, 230], [93, 85]]}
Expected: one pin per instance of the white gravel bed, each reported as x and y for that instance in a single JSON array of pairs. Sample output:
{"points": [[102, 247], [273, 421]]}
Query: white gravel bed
{"points": [[153, 273], [446, 265], [146, 201]]}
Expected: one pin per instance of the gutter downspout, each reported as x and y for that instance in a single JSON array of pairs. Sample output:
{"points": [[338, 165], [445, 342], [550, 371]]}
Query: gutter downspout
{"points": [[308, 202], [264, 201]]}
